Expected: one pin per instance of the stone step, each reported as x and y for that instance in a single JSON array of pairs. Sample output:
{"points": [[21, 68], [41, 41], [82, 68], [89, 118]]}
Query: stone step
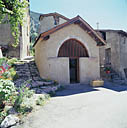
{"points": [[117, 78], [29, 71], [47, 89], [37, 78], [118, 81], [114, 75], [36, 84]]}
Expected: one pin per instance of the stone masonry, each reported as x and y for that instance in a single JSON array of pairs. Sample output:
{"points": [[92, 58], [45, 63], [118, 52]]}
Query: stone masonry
{"points": [[28, 71]]}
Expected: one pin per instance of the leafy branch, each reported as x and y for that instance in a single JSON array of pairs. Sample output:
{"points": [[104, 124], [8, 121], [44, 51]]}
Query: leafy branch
{"points": [[13, 12]]}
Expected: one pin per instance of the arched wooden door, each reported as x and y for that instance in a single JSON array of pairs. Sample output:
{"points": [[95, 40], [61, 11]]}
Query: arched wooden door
{"points": [[73, 49]]}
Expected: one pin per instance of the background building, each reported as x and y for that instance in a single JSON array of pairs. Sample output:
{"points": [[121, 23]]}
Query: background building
{"points": [[114, 54], [6, 39]]}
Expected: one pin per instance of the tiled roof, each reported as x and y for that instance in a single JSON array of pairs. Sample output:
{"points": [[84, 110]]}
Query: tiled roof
{"points": [[82, 23], [111, 30]]}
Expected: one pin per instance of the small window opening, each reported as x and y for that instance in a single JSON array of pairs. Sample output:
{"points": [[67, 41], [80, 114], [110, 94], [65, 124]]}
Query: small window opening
{"points": [[103, 35]]}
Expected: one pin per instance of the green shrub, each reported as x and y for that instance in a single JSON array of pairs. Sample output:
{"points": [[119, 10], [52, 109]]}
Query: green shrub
{"points": [[3, 114], [23, 110], [40, 101], [2, 60], [6, 75], [32, 51], [47, 97], [7, 91], [13, 74], [23, 93], [15, 77], [12, 61], [7, 96]]}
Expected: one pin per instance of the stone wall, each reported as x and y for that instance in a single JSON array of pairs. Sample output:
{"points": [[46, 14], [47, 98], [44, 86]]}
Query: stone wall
{"points": [[123, 54], [46, 23], [102, 55], [5, 34], [6, 39], [118, 45], [89, 69], [25, 37], [112, 39]]}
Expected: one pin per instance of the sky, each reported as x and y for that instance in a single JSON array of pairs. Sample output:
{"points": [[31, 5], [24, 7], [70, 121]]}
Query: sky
{"points": [[110, 14]]}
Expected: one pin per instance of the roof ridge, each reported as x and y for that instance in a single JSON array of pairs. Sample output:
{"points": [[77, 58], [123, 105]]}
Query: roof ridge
{"points": [[54, 13], [81, 22]]}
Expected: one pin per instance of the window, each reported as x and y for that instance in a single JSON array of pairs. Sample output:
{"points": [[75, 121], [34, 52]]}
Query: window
{"points": [[108, 56], [124, 40], [103, 35]]}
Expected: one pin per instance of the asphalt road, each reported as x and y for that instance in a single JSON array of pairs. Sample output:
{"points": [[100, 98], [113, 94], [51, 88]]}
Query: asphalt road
{"points": [[81, 106]]}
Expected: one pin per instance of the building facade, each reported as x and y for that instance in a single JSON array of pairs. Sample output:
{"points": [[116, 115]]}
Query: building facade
{"points": [[114, 54], [67, 50]]}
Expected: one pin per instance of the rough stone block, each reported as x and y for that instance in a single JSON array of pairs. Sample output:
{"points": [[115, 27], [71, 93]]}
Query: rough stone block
{"points": [[10, 120], [97, 83]]}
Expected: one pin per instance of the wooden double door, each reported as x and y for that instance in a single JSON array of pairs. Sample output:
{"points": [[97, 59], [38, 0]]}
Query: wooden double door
{"points": [[74, 70], [73, 49]]}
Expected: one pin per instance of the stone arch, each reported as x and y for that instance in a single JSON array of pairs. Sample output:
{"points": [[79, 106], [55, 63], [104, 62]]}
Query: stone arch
{"points": [[72, 48]]}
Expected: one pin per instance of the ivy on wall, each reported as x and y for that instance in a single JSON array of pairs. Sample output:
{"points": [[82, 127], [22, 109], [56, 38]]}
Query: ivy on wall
{"points": [[13, 12]]}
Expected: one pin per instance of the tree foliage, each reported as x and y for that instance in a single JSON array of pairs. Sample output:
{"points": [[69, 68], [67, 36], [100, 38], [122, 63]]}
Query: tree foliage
{"points": [[13, 12]]}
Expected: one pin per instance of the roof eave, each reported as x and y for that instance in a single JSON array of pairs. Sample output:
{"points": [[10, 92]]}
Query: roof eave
{"points": [[96, 37], [99, 38], [37, 40], [52, 14]]}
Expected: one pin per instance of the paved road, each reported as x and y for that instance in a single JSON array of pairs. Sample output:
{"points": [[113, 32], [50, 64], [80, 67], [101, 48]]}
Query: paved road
{"points": [[80, 106]]}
